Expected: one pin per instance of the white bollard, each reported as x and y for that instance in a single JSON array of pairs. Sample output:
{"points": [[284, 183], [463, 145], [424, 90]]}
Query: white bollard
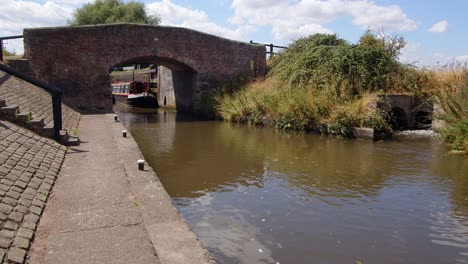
{"points": [[141, 164]]}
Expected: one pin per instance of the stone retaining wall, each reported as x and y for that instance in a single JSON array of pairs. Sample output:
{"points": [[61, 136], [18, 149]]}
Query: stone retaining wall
{"points": [[30, 98], [29, 165]]}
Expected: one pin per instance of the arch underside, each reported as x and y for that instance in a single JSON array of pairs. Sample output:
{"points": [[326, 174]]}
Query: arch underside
{"points": [[176, 81]]}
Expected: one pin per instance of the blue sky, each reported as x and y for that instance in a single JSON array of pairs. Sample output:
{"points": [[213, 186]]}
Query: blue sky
{"points": [[435, 30]]}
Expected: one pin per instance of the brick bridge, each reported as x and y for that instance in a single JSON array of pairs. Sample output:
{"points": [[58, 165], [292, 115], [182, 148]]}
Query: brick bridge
{"points": [[78, 59]]}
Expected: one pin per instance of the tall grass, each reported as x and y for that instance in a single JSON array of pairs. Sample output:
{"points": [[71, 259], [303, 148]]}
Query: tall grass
{"points": [[272, 102], [451, 94], [323, 83]]}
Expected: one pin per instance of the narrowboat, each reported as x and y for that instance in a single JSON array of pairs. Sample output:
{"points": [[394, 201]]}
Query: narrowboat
{"points": [[133, 93]]}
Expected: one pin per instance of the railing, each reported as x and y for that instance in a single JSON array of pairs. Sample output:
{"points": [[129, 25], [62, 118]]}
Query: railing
{"points": [[6, 38], [54, 91], [270, 47]]}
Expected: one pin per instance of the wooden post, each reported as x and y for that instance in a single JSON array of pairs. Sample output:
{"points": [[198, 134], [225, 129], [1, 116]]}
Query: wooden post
{"points": [[271, 49]]}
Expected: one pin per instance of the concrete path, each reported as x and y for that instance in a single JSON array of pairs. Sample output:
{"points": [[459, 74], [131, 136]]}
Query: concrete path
{"points": [[104, 210]]}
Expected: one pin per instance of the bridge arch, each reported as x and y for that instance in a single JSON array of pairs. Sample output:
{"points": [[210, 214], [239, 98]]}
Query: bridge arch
{"points": [[78, 58], [181, 77]]}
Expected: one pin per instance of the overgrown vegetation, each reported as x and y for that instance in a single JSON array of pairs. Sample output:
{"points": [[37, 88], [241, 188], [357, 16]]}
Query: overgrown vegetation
{"points": [[112, 11], [451, 95], [7, 53], [326, 84]]}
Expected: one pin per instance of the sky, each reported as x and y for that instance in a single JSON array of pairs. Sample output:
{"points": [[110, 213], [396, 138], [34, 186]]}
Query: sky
{"points": [[435, 31]]}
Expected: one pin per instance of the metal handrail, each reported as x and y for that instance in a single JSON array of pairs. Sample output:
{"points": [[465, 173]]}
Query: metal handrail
{"points": [[271, 46], [54, 91]]}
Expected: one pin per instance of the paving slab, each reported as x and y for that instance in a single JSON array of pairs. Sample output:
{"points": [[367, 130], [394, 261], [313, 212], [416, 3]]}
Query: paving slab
{"points": [[104, 210], [90, 216]]}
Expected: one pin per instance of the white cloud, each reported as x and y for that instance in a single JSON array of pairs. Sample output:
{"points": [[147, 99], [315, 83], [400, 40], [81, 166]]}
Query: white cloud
{"points": [[422, 56], [443, 59], [16, 15], [412, 53], [175, 15], [439, 27], [287, 20], [301, 18], [284, 31]]}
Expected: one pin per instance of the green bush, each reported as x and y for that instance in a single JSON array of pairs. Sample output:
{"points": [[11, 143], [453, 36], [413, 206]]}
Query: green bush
{"points": [[330, 64], [457, 136], [452, 96], [324, 83]]}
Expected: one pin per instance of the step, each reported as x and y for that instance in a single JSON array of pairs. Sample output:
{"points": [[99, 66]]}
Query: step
{"points": [[73, 141], [23, 118], [9, 112], [68, 140], [36, 125], [48, 130]]}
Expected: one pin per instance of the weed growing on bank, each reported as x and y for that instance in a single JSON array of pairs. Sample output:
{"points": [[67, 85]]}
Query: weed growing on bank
{"points": [[451, 94], [323, 83]]}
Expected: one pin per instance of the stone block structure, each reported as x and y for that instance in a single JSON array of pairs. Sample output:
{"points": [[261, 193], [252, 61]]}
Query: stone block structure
{"points": [[408, 112], [79, 58]]}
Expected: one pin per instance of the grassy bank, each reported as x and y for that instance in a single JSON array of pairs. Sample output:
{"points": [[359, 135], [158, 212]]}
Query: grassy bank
{"points": [[271, 102], [451, 94], [326, 84], [323, 83]]}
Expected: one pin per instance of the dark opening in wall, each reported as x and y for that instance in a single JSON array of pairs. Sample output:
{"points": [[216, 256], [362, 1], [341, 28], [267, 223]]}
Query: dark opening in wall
{"points": [[423, 119], [398, 118]]}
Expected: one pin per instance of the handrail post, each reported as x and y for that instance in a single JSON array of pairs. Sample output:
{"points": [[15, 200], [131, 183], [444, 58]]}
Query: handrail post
{"points": [[57, 112], [1, 49]]}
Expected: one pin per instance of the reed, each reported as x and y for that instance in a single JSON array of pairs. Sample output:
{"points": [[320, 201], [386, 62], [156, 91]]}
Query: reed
{"points": [[451, 94]]}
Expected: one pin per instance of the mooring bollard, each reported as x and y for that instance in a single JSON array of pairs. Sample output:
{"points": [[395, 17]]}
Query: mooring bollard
{"points": [[141, 164], [115, 118], [124, 133]]}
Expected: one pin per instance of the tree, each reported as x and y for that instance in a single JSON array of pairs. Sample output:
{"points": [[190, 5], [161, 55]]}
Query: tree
{"points": [[112, 11]]}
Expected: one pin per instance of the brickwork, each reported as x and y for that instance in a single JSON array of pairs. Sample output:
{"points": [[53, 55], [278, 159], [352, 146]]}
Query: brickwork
{"points": [[29, 165], [38, 102], [203, 61]]}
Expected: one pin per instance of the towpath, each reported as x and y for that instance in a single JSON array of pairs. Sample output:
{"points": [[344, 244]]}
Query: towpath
{"points": [[104, 210]]}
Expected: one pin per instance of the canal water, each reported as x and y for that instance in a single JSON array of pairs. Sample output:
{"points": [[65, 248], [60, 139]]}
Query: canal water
{"points": [[256, 195]]}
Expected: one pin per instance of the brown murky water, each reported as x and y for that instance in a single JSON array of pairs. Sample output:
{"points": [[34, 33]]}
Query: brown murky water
{"points": [[255, 195]]}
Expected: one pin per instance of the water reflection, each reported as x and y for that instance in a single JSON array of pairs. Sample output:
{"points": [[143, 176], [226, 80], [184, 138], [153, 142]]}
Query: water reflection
{"points": [[254, 195]]}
